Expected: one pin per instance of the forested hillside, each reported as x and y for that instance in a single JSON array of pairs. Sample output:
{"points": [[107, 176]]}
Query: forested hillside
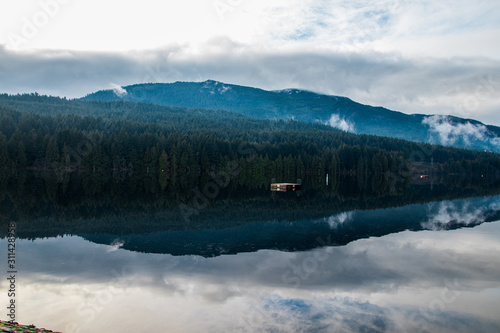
{"points": [[336, 111], [163, 149]]}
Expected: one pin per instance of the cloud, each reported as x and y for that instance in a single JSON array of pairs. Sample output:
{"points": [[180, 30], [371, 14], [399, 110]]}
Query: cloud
{"points": [[451, 213], [337, 220], [449, 132], [340, 123], [115, 245], [463, 87], [406, 56], [280, 314], [343, 314], [118, 90], [422, 28]]}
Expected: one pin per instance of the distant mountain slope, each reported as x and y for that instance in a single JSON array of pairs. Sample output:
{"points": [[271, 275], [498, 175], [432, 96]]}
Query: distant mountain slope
{"points": [[340, 112]]}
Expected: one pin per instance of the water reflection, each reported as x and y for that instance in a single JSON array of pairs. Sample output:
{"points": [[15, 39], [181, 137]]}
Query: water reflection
{"points": [[338, 229], [409, 281], [415, 262]]}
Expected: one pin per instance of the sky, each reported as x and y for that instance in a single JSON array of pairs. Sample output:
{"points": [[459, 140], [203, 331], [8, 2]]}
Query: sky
{"points": [[433, 57]]}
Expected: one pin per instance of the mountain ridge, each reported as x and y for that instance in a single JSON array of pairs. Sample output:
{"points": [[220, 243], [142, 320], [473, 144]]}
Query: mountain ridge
{"points": [[308, 106]]}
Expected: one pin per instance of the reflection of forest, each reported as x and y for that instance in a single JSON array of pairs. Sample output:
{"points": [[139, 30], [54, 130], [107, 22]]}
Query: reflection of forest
{"points": [[301, 235], [70, 166], [50, 204]]}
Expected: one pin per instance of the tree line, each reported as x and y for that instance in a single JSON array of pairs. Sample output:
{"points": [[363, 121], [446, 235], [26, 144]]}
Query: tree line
{"points": [[172, 150]]}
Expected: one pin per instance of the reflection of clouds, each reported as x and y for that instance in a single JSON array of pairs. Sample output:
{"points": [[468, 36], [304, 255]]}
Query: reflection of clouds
{"points": [[340, 314], [115, 245], [453, 213], [390, 262], [210, 292], [331, 314], [378, 284], [337, 220]]}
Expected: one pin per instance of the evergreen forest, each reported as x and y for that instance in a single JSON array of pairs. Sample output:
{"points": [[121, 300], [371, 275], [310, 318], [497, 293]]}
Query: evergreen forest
{"points": [[177, 152]]}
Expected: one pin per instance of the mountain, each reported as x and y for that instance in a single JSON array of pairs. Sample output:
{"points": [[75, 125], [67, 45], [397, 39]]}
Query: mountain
{"points": [[301, 105]]}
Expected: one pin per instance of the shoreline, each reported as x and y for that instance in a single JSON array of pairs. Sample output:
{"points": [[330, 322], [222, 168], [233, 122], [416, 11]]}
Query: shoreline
{"points": [[6, 326]]}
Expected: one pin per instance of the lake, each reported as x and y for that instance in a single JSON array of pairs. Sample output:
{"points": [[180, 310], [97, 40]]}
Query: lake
{"points": [[423, 260]]}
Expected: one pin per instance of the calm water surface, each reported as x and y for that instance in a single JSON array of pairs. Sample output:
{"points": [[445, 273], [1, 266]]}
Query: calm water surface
{"points": [[431, 267]]}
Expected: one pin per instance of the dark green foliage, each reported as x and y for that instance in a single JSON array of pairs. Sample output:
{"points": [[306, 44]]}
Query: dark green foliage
{"points": [[133, 147], [164, 170], [5, 162]]}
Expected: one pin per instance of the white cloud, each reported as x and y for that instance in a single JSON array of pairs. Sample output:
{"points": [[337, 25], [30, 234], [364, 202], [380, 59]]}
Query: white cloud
{"points": [[449, 213], [115, 245], [118, 90], [417, 28], [340, 123], [338, 220], [465, 88], [448, 133], [416, 57]]}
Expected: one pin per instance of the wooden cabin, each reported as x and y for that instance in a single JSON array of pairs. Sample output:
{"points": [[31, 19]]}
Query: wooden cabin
{"points": [[285, 187]]}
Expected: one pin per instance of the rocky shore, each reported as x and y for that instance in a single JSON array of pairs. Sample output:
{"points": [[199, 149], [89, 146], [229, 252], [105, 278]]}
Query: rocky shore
{"points": [[6, 326]]}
